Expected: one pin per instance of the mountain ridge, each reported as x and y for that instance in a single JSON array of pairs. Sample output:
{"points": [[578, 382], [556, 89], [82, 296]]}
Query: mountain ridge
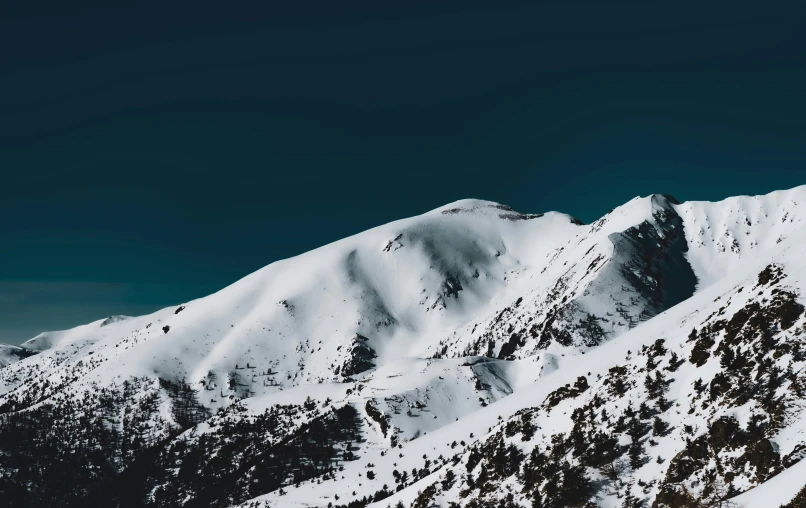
{"points": [[393, 336]]}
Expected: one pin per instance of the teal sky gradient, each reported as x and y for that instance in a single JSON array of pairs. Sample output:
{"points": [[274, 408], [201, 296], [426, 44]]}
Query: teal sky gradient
{"points": [[152, 153]]}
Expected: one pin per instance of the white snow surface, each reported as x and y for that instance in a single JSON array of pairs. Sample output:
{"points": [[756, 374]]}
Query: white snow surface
{"points": [[11, 354], [427, 296], [673, 326]]}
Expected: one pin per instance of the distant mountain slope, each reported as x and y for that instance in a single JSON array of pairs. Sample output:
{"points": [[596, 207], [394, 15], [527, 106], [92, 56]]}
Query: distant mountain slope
{"points": [[10, 354], [473, 346], [722, 236]]}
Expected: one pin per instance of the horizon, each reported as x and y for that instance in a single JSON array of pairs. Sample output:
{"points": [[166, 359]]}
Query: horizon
{"points": [[151, 159], [175, 303]]}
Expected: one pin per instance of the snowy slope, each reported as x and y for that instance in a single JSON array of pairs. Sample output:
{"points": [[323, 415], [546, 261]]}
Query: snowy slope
{"points": [[776, 491], [10, 354], [325, 315], [686, 414], [412, 345], [622, 269], [723, 235]]}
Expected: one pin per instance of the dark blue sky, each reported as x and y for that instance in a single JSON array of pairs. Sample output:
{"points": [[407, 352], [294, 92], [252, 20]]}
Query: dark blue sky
{"points": [[155, 152]]}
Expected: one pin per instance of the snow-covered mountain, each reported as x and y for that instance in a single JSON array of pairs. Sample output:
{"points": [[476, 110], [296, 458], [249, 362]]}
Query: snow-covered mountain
{"points": [[10, 354], [470, 356]]}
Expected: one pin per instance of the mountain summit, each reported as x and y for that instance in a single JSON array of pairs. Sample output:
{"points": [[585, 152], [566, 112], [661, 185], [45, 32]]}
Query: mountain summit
{"points": [[469, 356]]}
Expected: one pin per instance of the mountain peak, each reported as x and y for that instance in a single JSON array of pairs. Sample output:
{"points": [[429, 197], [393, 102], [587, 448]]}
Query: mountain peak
{"points": [[472, 355]]}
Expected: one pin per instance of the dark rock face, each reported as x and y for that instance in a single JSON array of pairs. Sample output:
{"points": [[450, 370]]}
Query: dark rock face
{"points": [[657, 268], [15, 353], [360, 358], [688, 461], [646, 274], [451, 287], [567, 392]]}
